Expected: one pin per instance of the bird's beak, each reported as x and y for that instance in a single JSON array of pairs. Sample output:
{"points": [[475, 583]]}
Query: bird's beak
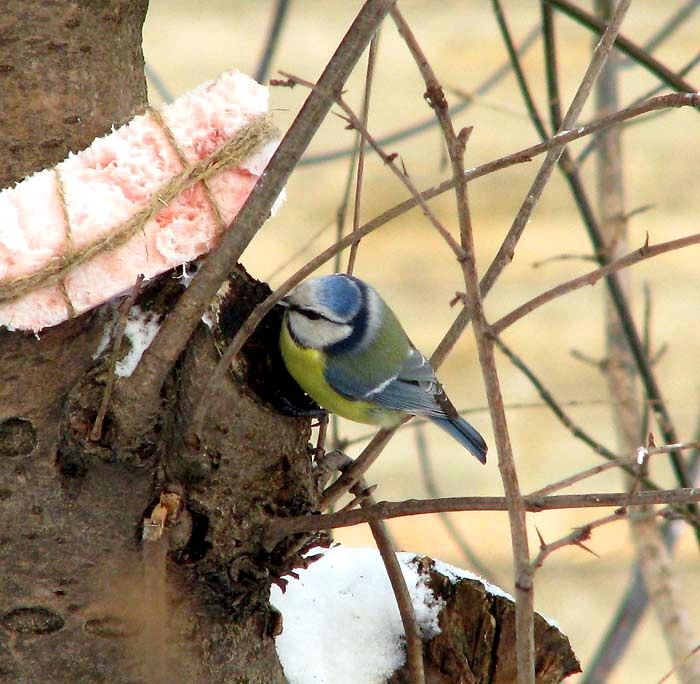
{"points": [[284, 303]]}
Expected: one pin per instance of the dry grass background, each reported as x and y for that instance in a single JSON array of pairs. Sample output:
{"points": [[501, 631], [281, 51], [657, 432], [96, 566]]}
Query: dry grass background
{"points": [[188, 42]]}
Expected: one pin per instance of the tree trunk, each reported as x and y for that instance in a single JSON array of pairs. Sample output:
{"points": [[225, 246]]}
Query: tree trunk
{"points": [[82, 598]]}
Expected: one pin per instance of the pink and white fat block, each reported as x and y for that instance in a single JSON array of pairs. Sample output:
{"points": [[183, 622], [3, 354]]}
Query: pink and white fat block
{"points": [[90, 195]]}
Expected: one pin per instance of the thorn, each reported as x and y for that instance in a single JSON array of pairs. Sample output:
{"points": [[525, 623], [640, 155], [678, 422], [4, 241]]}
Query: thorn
{"points": [[391, 157], [541, 538], [350, 126], [464, 135], [585, 548], [368, 491], [650, 441], [282, 82], [645, 246], [459, 297]]}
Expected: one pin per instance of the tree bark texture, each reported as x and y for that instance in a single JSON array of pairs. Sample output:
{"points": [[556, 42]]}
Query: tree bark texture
{"points": [[82, 599], [69, 71], [476, 643]]}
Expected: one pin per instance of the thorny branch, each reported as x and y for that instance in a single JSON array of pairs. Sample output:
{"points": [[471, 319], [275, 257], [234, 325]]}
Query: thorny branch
{"points": [[385, 510], [456, 146]]}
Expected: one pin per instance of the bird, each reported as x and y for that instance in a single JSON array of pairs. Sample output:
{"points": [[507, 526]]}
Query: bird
{"points": [[347, 350]]}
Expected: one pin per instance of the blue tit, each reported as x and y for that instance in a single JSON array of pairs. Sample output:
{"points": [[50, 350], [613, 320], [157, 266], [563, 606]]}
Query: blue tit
{"points": [[347, 350]]}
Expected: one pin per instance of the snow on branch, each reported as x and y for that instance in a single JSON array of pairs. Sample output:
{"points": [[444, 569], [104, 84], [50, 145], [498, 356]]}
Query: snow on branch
{"points": [[341, 623]]}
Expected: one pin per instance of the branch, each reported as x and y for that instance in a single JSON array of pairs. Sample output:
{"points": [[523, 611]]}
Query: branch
{"points": [[484, 87], [371, 60], [273, 37], [173, 335], [385, 510], [414, 641], [641, 254], [625, 45]]}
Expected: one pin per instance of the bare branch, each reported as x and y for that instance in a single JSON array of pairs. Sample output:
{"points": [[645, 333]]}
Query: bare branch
{"points": [[173, 335], [371, 60], [385, 510], [625, 45], [414, 642], [484, 87], [273, 37], [641, 254]]}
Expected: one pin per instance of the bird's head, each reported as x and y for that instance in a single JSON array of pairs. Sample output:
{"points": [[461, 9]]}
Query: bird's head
{"points": [[326, 311]]}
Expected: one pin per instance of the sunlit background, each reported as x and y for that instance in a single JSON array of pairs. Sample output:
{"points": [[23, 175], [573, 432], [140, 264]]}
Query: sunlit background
{"points": [[187, 43]]}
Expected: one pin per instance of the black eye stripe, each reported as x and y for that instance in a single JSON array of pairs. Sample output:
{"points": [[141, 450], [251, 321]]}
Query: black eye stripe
{"points": [[314, 315]]}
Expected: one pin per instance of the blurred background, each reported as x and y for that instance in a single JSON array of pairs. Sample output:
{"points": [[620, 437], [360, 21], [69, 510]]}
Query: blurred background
{"points": [[188, 42]]}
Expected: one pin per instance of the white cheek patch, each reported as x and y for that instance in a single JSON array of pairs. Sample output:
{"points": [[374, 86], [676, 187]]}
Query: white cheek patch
{"points": [[316, 334]]}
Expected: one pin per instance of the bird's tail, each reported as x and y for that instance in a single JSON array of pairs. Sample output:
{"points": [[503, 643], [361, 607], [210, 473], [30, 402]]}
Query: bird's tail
{"points": [[465, 434]]}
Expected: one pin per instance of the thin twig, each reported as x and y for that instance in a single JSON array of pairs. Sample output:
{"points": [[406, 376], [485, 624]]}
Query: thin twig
{"points": [[592, 277], [517, 69], [577, 537], [431, 488], [484, 87], [124, 309], [386, 510], [273, 38], [590, 147], [625, 45], [676, 667], [666, 30], [414, 642], [371, 61], [578, 477]]}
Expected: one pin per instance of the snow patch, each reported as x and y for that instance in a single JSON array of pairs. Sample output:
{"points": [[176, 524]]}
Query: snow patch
{"points": [[141, 328], [341, 622]]}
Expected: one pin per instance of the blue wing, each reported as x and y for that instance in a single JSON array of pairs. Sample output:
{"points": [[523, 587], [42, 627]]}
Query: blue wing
{"points": [[413, 389]]}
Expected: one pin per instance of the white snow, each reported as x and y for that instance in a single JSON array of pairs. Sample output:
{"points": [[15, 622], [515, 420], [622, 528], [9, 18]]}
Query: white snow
{"points": [[341, 623], [340, 620], [457, 573], [141, 328], [642, 454], [106, 337]]}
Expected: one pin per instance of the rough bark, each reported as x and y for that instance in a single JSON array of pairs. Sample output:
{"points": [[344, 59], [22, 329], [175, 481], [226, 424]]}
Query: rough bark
{"points": [[476, 644], [69, 71], [81, 599]]}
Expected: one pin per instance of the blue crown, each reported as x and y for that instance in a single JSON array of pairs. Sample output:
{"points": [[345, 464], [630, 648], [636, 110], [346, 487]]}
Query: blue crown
{"points": [[341, 294]]}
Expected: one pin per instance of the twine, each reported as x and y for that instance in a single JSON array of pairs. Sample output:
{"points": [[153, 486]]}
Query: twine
{"points": [[240, 147]]}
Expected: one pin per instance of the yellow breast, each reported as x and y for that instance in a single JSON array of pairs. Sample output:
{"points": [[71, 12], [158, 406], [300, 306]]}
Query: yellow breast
{"points": [[307, 367]]}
